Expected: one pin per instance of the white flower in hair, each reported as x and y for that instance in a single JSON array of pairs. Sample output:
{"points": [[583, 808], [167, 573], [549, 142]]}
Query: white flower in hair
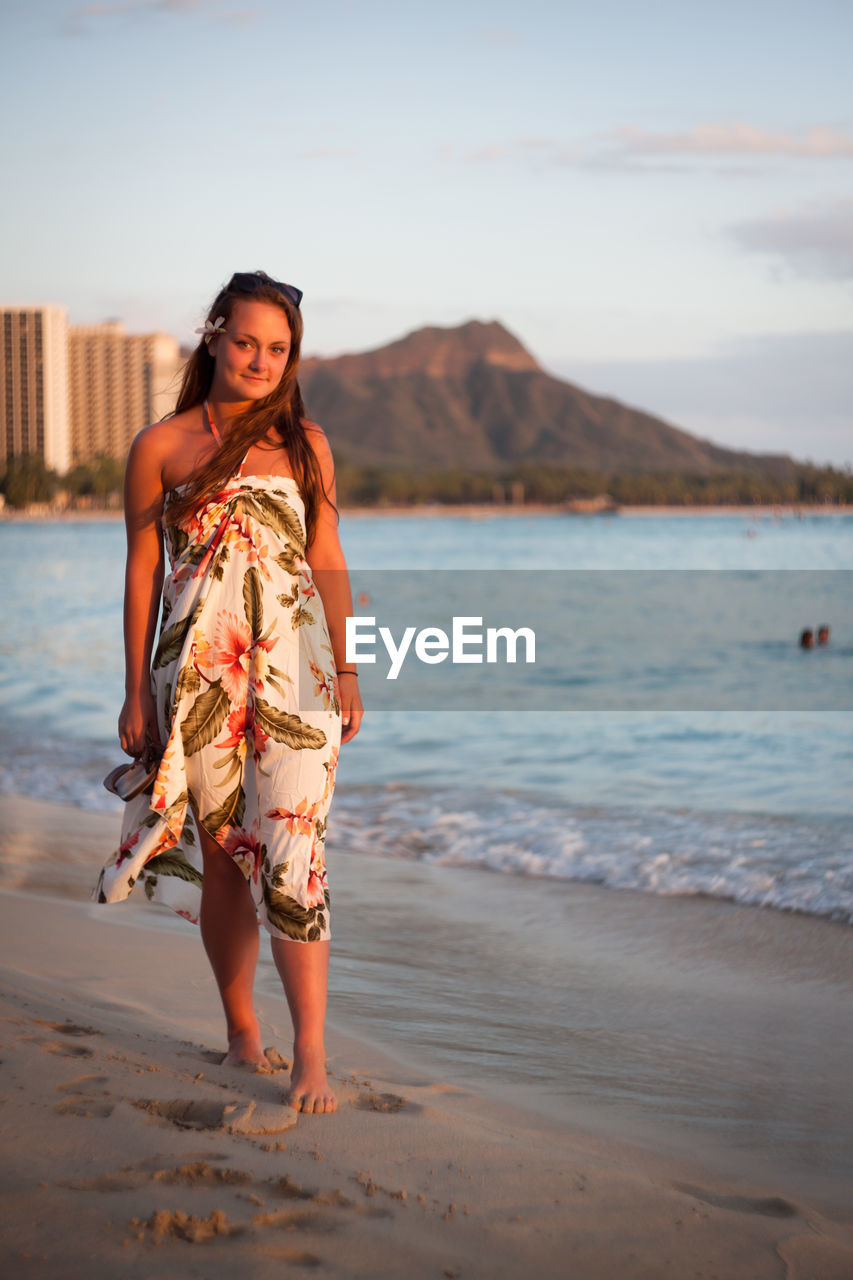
{"points": [[212, 329]]}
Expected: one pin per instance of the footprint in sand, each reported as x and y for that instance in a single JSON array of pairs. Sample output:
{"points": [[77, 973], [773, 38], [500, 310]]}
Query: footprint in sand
{"points": [[256, 1119], [246, 1118], [88, 1098], [384, 1102], [178, 1225], [206, 1055], [90, 1108], [64, 1050], [287, 1189], [83, 1084], [295, 1220], [766, 1206], [70, 1028], [200, 1173], [183, 1113]]}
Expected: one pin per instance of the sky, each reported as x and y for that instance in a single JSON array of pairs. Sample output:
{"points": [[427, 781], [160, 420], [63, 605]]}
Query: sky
{"points": [[654, 196]]}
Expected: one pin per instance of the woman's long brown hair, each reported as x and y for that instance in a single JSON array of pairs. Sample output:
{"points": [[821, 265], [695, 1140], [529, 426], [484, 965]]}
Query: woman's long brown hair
{"points": [[281, 411]]}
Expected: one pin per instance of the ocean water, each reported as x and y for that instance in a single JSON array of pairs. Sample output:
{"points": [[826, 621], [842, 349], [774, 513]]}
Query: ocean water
{"points": [[744, 797]]}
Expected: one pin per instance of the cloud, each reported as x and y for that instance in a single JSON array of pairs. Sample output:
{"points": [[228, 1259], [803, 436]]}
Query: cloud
{"points": [[737, 139], [813, 242], [80, 21], [643, 151], [134, 6]]}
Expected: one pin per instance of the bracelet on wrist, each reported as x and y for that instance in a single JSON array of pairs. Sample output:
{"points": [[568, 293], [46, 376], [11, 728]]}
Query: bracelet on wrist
{"points": [[344, 671]]}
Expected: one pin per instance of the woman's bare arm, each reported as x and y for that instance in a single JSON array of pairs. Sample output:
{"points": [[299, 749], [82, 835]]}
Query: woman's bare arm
{"points": [[329, 571], [143, 510]]}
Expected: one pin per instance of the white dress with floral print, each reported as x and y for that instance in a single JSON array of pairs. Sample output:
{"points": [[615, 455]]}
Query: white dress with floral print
{"points": [[247, 701]]}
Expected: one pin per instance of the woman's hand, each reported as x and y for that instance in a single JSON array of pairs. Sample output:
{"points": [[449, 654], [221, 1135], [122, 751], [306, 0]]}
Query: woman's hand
{"points": [[137, 726], [351, 706]]}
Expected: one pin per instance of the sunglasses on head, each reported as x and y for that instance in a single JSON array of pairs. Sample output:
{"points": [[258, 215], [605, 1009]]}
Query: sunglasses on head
{"points": [[254, 281]]}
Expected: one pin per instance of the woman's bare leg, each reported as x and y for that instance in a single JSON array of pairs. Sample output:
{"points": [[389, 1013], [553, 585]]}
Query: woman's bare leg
{"points": [[304, 971], [229, 930]]}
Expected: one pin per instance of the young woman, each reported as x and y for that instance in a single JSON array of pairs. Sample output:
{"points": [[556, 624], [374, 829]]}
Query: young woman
{"points": [[247, 695]]}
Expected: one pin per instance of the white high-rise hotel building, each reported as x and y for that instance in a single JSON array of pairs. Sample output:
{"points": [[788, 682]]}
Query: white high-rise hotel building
{"points": [[68, 394], [34, 384]]}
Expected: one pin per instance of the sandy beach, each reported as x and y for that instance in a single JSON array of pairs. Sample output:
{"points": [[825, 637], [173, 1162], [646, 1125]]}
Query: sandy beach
{"points": [[128, 1149]]}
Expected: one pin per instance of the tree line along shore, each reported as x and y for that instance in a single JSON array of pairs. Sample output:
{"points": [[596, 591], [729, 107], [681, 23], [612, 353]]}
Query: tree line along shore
{"points": [[27, 482]]}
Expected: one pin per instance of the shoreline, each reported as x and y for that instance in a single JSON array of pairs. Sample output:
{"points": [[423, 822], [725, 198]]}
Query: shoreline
{"points": [[483, 511]]}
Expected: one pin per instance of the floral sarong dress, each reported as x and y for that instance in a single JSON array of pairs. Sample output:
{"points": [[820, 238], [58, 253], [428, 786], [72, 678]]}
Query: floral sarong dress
{"points": [[248, 708]]}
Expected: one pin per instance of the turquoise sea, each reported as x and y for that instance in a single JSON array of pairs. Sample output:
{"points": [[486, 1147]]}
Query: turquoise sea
{"points": [[745, 797]]}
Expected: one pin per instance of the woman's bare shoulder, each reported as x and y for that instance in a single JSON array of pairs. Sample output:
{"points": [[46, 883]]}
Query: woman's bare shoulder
{"points": [[162, 439], [174, 428]]}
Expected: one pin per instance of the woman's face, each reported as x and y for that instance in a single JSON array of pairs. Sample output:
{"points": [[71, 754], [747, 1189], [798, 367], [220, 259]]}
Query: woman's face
{"points": [[251, 352]]}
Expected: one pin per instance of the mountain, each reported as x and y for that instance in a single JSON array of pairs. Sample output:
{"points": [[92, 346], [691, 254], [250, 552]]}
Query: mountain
{"points": [[473, 397]]}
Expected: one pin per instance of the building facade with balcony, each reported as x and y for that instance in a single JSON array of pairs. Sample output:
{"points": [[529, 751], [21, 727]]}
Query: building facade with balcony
{"points": [[117, 384]]}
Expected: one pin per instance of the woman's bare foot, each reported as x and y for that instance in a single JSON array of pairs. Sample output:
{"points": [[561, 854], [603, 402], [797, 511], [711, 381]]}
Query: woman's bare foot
{"points": [[245, 1050], [309, 1088]]}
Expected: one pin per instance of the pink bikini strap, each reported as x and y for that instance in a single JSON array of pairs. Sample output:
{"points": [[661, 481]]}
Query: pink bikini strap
{"points": [[218, 438]]}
